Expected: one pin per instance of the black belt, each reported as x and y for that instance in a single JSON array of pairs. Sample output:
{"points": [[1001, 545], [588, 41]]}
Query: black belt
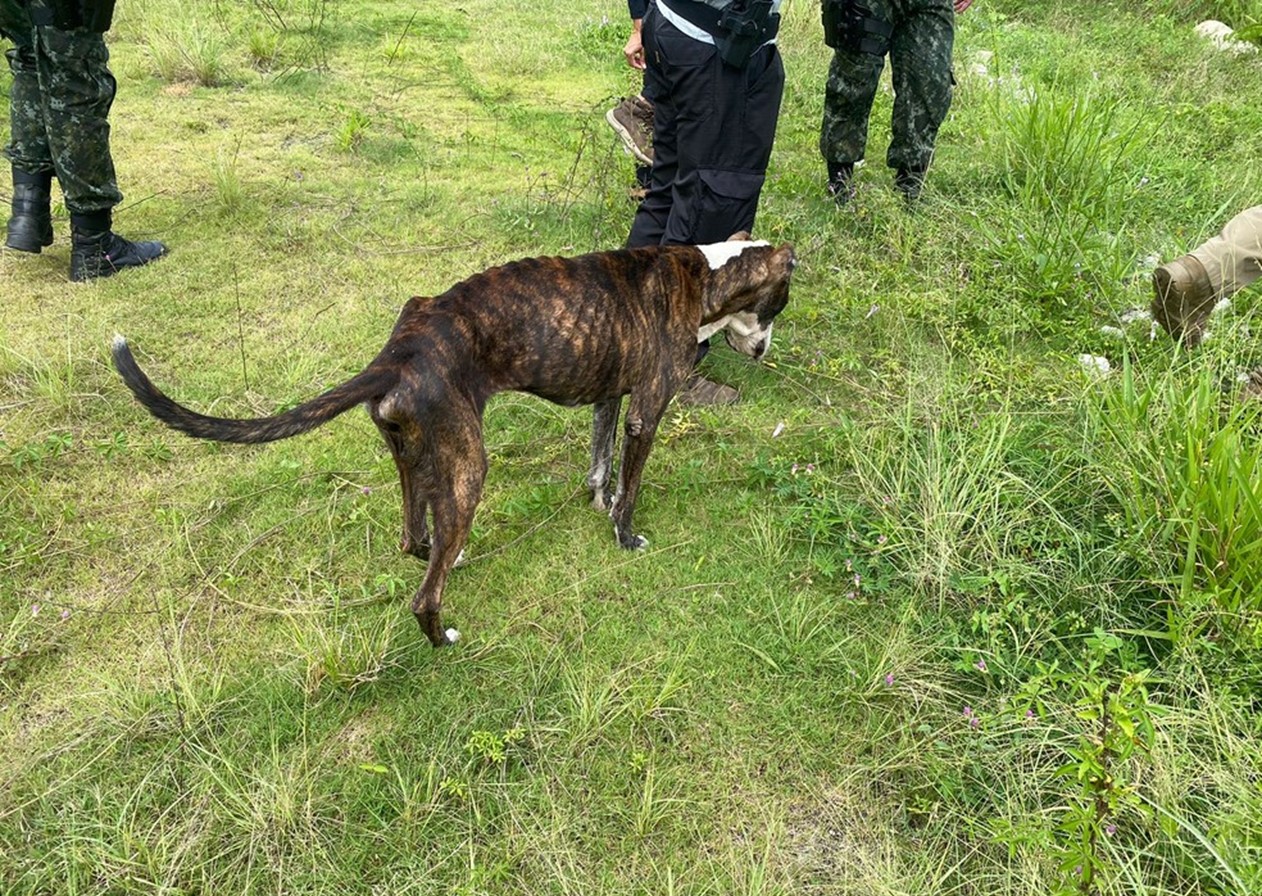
{"points": [[706, 18]]}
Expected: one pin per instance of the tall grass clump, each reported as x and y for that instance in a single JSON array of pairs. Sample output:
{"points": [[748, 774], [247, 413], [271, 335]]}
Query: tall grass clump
{"points": [[295, 30], [1068, 160], [183, 47], [1236, 13], [1182, 461], [937, 501]]}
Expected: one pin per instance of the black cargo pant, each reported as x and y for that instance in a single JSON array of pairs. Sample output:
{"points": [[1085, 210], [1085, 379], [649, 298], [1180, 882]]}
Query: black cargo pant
{"points": [[59, 107], [713, 126]]}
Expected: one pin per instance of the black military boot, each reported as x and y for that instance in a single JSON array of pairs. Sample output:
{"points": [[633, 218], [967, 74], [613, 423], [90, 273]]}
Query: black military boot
{"points": [[31, 224], [96, 251], [910, 180], [841, 181]]}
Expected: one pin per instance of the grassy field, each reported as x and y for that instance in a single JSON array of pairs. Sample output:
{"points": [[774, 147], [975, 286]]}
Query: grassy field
{"points": [[934, 610]]}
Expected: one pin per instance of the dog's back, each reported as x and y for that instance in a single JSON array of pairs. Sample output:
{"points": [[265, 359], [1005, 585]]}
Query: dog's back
{"points": [[571, 330]]}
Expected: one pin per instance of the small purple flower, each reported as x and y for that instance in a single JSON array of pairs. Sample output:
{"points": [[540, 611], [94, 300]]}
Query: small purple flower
{"points": [[881, 539], [794, 470], [889, 679], [810, 468], [366, 490], [980, 665], [1110, 829], [850, 595], [65, 614], [971, 717], [858, 580], [35, 608], [1029, 714]]}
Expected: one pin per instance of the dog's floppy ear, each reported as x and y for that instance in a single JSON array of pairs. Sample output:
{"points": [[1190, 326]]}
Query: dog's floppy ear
{"points": [[741, 236], [786, 254]]}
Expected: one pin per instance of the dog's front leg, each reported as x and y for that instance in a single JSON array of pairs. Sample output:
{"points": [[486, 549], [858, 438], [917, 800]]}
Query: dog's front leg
{"points": [[604, 431], [637, 441]]}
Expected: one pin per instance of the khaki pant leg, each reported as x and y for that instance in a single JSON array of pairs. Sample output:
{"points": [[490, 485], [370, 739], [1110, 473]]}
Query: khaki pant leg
{"points": [[1233, 259]]}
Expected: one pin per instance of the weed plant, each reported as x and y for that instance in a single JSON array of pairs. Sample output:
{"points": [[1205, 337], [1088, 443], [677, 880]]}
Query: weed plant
{"points": [[937, 609]]}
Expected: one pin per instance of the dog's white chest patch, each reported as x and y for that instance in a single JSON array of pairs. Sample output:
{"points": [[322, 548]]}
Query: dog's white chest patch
{"points": [[719, 254]]}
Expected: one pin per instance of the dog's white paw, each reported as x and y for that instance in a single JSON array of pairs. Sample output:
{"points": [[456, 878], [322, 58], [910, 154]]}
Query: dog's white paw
{"points": [[452, 635], [638, 542]]}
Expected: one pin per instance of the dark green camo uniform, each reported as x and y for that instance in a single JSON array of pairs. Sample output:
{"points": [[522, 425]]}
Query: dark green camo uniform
{"points": [[64, 129], [918, 36], [59, 109]]}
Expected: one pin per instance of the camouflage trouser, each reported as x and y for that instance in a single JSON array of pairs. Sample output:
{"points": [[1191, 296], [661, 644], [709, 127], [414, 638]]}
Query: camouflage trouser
{"points": [[920, 62], [59, 107]]}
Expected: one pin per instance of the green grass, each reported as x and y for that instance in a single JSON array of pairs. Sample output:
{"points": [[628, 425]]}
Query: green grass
{"points": [[932, 611]]}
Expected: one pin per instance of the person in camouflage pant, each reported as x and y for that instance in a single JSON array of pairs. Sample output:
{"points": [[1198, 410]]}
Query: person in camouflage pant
{"points": [[59, 109], [918, 36]]}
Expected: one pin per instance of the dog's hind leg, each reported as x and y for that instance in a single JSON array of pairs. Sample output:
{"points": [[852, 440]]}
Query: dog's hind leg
{"points": [[415, 539], [604, 432], [461, 472]]}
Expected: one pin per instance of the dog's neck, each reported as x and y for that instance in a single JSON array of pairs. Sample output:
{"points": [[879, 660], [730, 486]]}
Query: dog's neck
{"points": [[734, 267]]}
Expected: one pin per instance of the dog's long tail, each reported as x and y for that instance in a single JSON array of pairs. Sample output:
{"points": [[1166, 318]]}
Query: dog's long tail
{"points": [[372, 381]]}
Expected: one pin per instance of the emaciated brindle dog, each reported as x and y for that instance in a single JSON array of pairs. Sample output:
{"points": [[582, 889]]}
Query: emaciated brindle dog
{"points": [[585, 330]]}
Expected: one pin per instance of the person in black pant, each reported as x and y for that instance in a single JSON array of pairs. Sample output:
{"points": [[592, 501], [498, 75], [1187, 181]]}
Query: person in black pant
{"points": [[715, 79]]}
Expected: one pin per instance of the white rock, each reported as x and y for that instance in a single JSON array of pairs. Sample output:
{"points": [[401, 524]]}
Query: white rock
{"points": [[1222, 37], [1095, 365]]}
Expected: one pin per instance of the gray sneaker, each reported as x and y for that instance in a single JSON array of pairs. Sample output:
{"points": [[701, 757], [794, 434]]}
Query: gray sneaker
{"points": [[633, 120]]}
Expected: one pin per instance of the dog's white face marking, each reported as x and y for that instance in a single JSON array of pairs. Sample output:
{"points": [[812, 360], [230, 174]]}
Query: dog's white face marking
{"points": [[743, 333], [719, 254], [711, 328]]}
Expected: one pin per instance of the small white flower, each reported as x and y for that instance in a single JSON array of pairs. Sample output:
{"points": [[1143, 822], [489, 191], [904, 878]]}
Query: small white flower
{"points": [[775, 434]]}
